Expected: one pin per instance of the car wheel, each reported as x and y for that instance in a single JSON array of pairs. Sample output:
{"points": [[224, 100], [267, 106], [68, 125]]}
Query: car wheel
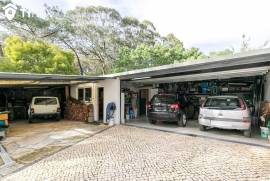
{"points": [[247, 133], [57, 118], [182, 121], [153, 121], [202, 127], [30, 120]]}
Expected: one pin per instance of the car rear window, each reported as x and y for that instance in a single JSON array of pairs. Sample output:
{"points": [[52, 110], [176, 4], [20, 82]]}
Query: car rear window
{"points": [[223, 102], [165, 99], [45, 101]]}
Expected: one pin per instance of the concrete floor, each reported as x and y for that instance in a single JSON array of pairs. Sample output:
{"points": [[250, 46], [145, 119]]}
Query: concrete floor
{"points": [[26, 143], [192, 129]]}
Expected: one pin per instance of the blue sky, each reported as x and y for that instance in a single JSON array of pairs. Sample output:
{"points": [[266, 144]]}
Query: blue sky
{"points": [[207, 24]]}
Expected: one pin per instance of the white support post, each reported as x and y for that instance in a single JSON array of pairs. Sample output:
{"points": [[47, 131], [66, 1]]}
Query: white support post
{"points": [[112, 93], [267, 87], [122, 108]]}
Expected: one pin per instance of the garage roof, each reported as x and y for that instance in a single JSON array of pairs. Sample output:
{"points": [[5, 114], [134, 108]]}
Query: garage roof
{"points": [[208, 76], [33, 76], [259, 58], [12, 79]]}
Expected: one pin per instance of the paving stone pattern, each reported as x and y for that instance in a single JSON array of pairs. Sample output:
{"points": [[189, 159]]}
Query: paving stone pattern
{"points": [[128, 153]]}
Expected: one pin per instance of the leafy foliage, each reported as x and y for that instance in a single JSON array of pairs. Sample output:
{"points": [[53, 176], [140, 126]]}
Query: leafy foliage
{"points": [[145, 56], [224, 52], [27, 27], [101, 39], [36, 57]]}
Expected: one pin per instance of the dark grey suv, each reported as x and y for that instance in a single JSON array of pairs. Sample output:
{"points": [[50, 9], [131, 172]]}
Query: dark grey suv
{"points": [[166, 107]]}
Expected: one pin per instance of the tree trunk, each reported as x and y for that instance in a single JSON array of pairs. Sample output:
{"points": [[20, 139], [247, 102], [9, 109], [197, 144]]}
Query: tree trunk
{"points": [[79, 62], [1, 51], [103, 69], [76, 54]]}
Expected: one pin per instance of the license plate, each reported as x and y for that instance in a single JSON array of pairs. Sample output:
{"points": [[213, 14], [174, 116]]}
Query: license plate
{"points": [[160, 109]]}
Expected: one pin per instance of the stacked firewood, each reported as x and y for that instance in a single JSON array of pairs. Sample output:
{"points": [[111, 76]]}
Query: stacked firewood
{"points": [[78, 111]]}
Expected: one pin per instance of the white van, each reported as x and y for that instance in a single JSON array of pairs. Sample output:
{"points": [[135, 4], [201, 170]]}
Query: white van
{"points": [[44, 106]]}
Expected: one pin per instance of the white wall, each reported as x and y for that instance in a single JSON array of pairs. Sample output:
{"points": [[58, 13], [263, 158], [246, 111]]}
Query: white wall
{"points": [[111, 94], [152, 93], [74, 91], [74, 94]]}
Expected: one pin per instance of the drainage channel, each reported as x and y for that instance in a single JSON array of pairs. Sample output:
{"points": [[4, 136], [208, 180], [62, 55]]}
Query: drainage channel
{"points": [[5, 157]]}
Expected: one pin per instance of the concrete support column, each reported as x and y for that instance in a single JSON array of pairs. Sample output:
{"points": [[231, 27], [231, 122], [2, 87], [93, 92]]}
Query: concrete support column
{"points": [[112, 92], [122, 108], [267, 87], [95, 101], [67, 92]]}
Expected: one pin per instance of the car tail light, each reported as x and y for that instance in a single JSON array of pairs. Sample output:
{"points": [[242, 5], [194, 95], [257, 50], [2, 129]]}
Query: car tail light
{"points": [[175, 106], [242, 104], [32, 110], [58, 109], [203, 103], [246, 120], [148, 106]]}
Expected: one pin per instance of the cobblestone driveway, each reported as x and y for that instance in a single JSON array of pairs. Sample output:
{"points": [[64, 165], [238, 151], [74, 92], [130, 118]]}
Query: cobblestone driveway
{"points": [[128, 153]]}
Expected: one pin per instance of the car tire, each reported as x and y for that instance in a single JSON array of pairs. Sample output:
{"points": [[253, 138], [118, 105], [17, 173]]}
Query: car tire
{"points": [[153, 121], [202, 127], [57, 118], [182, 120], [247, 133], [30, 120]]}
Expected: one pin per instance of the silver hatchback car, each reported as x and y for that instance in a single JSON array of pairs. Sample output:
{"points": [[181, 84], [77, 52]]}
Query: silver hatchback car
{"points": [[225, 112]]}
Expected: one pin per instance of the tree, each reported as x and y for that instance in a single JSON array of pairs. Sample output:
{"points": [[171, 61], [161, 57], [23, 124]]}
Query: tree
{"points": [[144, 56], [35, 57], [27, 26], [91, 32], [99, 36], [135, 33], [95, 34], [224, 52]]}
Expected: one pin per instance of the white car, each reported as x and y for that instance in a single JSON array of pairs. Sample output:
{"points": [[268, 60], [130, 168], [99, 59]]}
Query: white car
{"points": [[225, 112], [44, 106]]}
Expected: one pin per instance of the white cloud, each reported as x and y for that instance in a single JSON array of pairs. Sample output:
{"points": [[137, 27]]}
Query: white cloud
{"points": [[207, 24]]}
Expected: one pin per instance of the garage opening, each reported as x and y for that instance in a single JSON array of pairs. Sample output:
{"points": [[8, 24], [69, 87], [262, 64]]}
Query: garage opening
{"points": [[100, 103], [16, 99], [193, 89]]}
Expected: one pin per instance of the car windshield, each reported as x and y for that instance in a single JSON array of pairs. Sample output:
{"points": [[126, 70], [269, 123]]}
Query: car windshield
{"points": [[45, 101], [163, 99], [222, 103]]}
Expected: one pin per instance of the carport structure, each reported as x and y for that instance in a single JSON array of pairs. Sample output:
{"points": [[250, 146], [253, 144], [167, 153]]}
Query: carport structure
{"points": [[17, 89], [133, 89], [241, 74]]}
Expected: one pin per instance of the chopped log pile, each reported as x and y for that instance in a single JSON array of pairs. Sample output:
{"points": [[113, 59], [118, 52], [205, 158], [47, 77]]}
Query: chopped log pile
{"points": [[78, 111]]}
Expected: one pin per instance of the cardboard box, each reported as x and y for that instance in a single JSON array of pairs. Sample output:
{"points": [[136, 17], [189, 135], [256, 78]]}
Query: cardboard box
{"points": [[3, 116], [265, 108]]}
